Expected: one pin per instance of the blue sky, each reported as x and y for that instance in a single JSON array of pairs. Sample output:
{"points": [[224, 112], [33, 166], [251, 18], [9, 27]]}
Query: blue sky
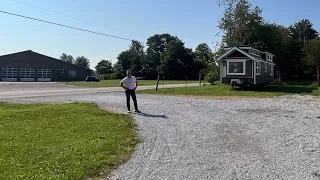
{"points": [[194, 22]]}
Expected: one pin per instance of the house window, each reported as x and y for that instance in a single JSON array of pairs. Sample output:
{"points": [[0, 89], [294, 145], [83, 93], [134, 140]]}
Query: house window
{"points": [[72, 74], [269, 57], [271, 70], [266, 68], [258, 68], [236, 67], [254, 52]]}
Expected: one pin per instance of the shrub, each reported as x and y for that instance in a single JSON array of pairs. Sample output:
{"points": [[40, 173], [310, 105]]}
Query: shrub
{"points": [[109, 76], [276, 83], [212, 77]]}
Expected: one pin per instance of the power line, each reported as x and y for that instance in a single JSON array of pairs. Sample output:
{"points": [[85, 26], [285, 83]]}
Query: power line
{"points": [[55, 12], [71, 27], [85, 5]]}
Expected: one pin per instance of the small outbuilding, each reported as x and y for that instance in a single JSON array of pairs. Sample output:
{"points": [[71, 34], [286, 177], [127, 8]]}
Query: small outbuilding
{"points": [[242, 66]]}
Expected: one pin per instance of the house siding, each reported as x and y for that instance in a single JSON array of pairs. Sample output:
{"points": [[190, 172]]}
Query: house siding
{"points": [[236, 54], [247, 78], [35, 61], [265, 77]]}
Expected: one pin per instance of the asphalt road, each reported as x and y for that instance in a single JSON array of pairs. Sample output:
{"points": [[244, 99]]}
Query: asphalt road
{"points": [[9, 90], [196, 138]]}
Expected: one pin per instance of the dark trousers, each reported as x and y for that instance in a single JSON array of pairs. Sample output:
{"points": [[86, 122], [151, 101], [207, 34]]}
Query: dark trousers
{"points": [[131, 93]]}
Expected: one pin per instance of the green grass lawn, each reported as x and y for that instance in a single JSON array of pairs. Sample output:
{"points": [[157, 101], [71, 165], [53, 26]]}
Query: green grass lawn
{"points": [[302, 87], [66, 141], [115, 83]]}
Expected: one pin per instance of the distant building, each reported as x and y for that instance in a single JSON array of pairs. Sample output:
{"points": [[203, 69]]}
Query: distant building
{"points": [[32, 66], [241, 66]]}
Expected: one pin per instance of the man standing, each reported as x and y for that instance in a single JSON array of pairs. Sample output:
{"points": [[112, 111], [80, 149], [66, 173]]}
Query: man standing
{"points": [[130, 85]]}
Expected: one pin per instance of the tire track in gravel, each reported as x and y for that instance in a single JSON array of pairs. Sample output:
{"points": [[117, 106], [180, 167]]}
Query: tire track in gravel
{"points": [[148, 152]]}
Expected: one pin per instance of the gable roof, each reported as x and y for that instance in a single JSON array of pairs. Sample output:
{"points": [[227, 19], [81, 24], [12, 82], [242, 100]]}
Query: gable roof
{"points": [[32, 52], [233, 50], [244, 53], [248, 47]]}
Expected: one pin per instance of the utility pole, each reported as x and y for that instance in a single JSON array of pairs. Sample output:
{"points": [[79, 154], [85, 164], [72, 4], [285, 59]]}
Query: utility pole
{"points": [[162, 82], [186, 81], [158, 81], [318, 72]]}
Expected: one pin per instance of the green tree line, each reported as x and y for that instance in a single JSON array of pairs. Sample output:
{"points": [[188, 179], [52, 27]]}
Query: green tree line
{"points": [[165, 55], [81, 61], [296, 48]]}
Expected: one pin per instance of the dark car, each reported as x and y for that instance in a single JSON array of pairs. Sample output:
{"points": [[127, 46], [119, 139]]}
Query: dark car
{"points": [[92, 79]]}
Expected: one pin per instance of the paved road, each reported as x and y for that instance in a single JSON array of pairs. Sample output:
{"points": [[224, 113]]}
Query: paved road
{"points": [[24, 90], [190, 138]]}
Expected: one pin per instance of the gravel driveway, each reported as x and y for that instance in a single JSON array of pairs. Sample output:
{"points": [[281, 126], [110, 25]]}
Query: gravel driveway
{"points": [[194, 138]]}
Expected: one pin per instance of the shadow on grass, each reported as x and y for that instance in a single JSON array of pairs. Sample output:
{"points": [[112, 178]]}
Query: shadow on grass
{"points": [[153, 116], [282, 89], [301, 83]]}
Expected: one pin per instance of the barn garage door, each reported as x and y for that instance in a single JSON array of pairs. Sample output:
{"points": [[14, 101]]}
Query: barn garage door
{"points": [[27, 74], [44, 74], [9, 74]]}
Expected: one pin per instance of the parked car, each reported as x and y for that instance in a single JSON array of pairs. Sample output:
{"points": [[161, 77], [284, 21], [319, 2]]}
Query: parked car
{"points": [[92, 79]]}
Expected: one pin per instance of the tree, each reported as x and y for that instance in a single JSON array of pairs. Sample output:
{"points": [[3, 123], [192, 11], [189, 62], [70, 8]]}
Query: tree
{"points": [[130, 59], [171, 58], [137, 57], [123, 64], [240, 22], [117, 70], [203, 53], [177, 62], [303, 31], [204, 57], [82, 62], [67, 58], [104, 67], [312, 50], [156, 46]]}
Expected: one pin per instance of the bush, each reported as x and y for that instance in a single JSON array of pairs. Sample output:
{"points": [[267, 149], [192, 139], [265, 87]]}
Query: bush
{"points": [[109, 76], [276, 83], [212, 77]]}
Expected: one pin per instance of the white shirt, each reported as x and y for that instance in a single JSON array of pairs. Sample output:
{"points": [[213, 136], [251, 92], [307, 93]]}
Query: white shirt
{"points": [[129, 82]]}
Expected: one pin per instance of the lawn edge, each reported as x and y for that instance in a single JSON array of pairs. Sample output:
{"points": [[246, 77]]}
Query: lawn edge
{"points": [[106, 172]]}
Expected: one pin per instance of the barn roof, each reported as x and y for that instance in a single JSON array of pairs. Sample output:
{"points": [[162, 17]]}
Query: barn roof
{"points": [[30, 52]]}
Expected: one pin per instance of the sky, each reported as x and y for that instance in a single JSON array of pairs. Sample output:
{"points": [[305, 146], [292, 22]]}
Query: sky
{"points": [[194, 22]]}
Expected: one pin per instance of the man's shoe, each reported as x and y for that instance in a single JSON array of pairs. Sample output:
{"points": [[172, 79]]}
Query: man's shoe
{"points": [[137, 111], [129, 111]]}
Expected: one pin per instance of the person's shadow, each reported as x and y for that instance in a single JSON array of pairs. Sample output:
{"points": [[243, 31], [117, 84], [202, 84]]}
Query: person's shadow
{"points": [[152, 115]]}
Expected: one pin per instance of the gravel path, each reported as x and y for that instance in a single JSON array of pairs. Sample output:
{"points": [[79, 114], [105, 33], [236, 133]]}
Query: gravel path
{"points": [[189, 138]]}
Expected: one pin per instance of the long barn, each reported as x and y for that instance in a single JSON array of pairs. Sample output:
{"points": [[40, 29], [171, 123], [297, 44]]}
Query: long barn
{"points": [[31, 66]]}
